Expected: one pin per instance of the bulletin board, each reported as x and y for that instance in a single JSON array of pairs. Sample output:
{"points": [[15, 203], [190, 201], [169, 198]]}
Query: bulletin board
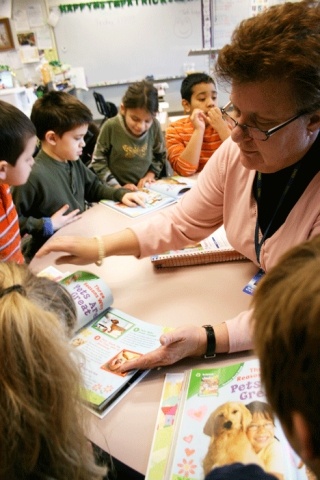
{"points": [[131, 42]]}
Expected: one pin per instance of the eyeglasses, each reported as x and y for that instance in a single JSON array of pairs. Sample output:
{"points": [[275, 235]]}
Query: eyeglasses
{"points": [[255, 132], [254, 427]]}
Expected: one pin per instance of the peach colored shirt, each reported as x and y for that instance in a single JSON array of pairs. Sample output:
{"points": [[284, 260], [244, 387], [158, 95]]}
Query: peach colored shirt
{"points": [[223, 194]]}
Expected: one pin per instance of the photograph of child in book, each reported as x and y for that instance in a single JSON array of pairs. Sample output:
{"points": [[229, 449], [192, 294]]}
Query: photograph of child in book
{"points": [[192, 140], [130, 150], [60, 187], [17, 145]]}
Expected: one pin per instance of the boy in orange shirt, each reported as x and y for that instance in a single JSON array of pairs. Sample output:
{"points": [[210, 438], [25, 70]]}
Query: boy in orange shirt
{"points": [[17, 145], [192, 140]]}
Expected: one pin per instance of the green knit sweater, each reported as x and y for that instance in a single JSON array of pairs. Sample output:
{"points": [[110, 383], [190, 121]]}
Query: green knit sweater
{"points": [[51, 185], [120, 158]]}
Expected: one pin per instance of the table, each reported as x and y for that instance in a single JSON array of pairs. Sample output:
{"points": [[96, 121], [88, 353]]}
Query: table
{"points": [[198, 295]]}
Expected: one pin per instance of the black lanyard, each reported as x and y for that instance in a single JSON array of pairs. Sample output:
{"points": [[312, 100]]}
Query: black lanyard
{"points": [[258, 244]]}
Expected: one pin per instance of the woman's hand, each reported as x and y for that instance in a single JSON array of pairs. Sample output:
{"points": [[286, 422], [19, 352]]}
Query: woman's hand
{"points": [[176, 344]]}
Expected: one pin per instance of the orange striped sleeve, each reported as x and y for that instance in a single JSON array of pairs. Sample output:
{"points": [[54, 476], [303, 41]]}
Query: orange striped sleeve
{"points": [[178, 135], [10, 240]]}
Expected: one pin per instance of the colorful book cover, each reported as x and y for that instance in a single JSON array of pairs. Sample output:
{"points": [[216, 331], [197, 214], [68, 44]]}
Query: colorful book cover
{"points": [[162, 439], [223, 417]]}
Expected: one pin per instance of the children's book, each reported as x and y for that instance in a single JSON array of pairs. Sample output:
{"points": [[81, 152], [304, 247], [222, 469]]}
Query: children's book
{"points": [[105, 338], [162, 439], [159, 194], [216, 424], [212, 249]]}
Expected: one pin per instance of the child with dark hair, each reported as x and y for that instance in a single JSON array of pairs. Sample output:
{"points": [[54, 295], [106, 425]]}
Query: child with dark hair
{"points": [[60, 185], [17, 144], [192, 140], [261, 433], [130, 149]]}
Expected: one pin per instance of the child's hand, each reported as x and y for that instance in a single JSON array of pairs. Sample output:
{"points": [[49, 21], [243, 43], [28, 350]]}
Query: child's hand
{"points": [[198, 119], [59, 220], [130, 186], [218, 123], [133, 199], [149, 178]]}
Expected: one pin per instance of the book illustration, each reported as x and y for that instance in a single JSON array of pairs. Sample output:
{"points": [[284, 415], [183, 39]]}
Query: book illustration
{"points": [[162, 439], [223, 417], [105, 338], [214, 248], [159, 194]]}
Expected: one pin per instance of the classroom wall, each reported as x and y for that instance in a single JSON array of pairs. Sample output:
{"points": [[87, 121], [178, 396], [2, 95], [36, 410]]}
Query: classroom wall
{"points": [[118, 45]]}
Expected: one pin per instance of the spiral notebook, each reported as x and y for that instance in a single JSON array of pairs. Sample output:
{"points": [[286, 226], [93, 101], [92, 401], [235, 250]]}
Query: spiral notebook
{"points": [[212, 249]]}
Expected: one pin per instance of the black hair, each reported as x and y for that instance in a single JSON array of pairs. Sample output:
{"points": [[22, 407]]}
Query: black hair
{"points": [[190, 81], [15, 131]]}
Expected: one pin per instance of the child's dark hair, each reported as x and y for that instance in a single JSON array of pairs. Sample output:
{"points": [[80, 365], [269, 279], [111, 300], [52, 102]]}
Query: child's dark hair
{"points": [[190, 81], [142, 95], [261, 408], [60, 112], [15, 131]]}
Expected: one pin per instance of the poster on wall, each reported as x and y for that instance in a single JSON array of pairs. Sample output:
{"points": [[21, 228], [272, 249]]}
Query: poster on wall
{"points": [[258, 6]]}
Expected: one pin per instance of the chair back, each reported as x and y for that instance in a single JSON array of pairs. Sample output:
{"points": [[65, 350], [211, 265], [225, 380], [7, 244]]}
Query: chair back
{"points": [[107, 109]]}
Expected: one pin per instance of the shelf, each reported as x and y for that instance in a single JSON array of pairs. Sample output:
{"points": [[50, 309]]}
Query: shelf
{"points": [[203, 51]]}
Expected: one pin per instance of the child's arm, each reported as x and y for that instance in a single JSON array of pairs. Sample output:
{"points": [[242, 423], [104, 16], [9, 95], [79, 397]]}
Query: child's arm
{"points": [[184, 142], [100, 156]]}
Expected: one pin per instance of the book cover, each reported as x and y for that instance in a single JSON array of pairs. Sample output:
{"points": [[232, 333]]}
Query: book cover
{"points": [[223, 417], [214, 248], [105, 338], [162, 439], [157, 195]]}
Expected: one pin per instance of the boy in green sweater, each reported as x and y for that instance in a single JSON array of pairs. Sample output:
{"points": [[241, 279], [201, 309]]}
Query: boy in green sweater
{"points": [[60, 185]]}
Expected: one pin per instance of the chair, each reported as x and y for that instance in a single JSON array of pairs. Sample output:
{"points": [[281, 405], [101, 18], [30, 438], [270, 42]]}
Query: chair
{"points": [[107, 109]]}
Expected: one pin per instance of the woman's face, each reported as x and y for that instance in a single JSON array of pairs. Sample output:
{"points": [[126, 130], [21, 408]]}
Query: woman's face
{"points": [[260, 432], [266, 105]]}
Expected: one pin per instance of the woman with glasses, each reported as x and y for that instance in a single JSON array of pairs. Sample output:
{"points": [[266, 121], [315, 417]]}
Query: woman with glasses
{"points": [[263, 183]]}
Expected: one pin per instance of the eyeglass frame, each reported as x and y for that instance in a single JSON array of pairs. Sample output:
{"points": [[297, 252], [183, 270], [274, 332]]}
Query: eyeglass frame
{"points": [[267, 133]]}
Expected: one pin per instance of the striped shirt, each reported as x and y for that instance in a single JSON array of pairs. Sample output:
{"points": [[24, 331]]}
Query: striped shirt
{"points": [[178, 135], [10, 240]]}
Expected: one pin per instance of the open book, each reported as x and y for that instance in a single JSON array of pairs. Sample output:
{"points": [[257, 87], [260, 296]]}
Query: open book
{"points": [[214, 425], [212, 249], [106, 338], [159, 194]]}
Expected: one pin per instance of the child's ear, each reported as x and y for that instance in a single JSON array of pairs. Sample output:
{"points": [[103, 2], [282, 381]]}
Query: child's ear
{"points": [[186, 106], [51, 137], [302, 437], [3, 170], [122, 109], [314, 123]]}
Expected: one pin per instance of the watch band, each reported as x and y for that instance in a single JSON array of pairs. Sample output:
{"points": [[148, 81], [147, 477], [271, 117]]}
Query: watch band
{"points": [[211, 342]]}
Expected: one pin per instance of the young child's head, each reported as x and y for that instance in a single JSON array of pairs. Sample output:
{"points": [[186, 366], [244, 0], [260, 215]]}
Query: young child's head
{"points": [[17, 145], [198, 90], [261, 430], [139, 107], [41, 412], [286, 316], [61, 121]]}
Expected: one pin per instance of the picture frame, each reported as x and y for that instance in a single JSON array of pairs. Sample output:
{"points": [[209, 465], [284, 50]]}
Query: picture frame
{"points": [[6, 37]]}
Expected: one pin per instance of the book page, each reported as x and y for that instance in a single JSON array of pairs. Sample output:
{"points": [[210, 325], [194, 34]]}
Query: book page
{"points": [[174, 186], [153, 201], [214, 426], [112, 339], [90, 293]]}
